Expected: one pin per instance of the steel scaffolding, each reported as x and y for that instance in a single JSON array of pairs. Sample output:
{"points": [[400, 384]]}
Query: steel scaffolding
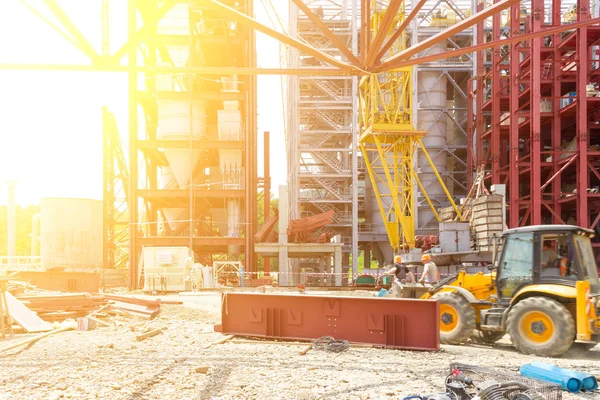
{"points": [[536, 116], [321, 129]]}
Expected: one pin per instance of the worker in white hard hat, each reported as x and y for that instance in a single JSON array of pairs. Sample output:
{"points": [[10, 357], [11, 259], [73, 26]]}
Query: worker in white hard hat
{"points": [[431, 274]]}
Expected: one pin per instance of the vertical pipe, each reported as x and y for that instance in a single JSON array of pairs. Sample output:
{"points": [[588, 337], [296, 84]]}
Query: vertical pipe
{"points": [[35, 236], [354, 130], [583, 7], [513, 169], [191, 128], [480, 97], [250, 163], [133, 147], [267, 193], [108, 189], [469, 133], [535, 135], [496, 91], [12, 220]]}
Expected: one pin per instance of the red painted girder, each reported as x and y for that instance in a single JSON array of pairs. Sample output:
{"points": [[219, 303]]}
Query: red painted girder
{"points": [[400, 323]]}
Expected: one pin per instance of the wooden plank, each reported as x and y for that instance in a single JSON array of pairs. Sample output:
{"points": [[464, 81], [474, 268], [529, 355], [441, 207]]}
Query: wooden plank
{"points": [[149, 334], [25, 317], [220, 341], [303, 352], [34, 339]]}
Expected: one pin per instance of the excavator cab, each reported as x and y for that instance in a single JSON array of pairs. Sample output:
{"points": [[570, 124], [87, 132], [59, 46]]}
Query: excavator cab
{"points": [[547, 254], [547, 289]]}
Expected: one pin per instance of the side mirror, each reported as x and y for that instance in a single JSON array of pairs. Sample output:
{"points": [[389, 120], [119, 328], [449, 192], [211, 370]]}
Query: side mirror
{"points": [[492, 267]]}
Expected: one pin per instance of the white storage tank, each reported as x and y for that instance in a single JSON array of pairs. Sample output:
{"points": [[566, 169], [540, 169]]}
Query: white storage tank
{"points": [[71, 233]]}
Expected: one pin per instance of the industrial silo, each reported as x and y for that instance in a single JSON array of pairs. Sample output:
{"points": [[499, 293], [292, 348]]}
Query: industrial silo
{"points": [[71, 233]]}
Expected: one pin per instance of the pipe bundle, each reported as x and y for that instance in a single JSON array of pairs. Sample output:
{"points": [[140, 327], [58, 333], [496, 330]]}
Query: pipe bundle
{"points": [[570, 380]]}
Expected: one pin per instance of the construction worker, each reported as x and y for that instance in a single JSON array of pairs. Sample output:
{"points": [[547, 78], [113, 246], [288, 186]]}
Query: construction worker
{"points": [[401, 272], [431, 274]]}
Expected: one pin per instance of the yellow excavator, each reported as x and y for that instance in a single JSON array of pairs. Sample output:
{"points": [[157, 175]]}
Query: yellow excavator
{"points": [[543, 291]]}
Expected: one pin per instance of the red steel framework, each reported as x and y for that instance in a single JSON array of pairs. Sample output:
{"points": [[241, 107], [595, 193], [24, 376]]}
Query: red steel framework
{"points": [[534, 127]]}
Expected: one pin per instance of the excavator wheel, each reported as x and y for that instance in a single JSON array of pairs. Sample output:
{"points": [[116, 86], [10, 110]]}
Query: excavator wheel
{"points": [[488, 337], [457, 318], [541, 326]]}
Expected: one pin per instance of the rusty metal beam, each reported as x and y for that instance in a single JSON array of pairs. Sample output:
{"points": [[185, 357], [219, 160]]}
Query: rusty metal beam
{"points": [[491, 44], [64, 19], [327, 32], [41, 16], [384, 28], [229, 12], [391, 62], [400, 323], [135, 39], [365, 28], [401, 28], [182, 70]]}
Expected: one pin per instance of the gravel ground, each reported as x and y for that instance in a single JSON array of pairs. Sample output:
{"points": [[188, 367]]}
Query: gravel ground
{"points": [[110, 364]]}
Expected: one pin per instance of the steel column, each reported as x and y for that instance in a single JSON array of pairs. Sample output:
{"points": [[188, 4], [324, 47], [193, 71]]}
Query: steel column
{"points": [[514, 74], [535, 101], [583, 218], [496, 92], [133, 150]]}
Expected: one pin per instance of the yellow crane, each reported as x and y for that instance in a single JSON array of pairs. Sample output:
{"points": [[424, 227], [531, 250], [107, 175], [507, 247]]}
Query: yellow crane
{"points": [[389, 141]]}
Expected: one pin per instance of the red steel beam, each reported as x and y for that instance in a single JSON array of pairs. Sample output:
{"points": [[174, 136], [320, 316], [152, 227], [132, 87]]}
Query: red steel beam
{"points": [[229, 12], [401, 28], [384, 28], [583, 218], [514, 72], [365, 28], [327, 32], [470, 130], [556, 116], [400, 323], [391, 62], [486, 45], [535, 125]]}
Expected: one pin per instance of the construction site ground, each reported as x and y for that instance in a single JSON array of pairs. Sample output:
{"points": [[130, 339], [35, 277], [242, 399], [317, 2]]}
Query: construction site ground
{"points": [[110, 364]]}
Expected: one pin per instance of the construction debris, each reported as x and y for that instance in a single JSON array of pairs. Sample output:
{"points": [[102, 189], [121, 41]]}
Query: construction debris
{"points": [[149, 334], [24, 316], [56, 306], [67, 327]]}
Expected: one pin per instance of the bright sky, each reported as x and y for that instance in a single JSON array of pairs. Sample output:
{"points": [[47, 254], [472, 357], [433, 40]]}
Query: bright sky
{"points": [[51, 122]]}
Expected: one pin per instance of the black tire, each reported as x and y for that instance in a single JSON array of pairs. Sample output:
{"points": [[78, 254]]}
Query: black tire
{"points": [[530, 339], [455, 331], [488, 337]]}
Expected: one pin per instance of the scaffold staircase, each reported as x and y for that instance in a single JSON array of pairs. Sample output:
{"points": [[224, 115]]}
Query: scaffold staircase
{"points": [[331, 118], [332, 187], [330, 88]]}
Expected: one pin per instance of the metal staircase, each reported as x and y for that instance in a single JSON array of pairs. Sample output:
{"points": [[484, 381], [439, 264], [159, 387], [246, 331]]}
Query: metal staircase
{"points": [[332, 187], [331, 118], [330, 88]]}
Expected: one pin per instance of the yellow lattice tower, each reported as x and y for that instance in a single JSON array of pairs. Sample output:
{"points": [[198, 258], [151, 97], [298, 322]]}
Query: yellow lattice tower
{"points": [[389, 141]]}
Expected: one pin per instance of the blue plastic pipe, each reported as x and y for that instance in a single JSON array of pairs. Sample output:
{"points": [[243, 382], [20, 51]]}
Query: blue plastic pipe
{"points": [[588, 382], [568, 383]]}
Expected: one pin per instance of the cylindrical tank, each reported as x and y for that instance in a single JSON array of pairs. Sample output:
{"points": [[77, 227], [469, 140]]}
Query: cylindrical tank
{"points": [[35, 235], [12, 219], [432, 98], [71, 231], [174, 124]]}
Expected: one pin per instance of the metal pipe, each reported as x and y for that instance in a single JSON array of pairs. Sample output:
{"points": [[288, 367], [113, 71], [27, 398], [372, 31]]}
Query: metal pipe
{"points": [[12, 219], [35, 235], [267, 193]]}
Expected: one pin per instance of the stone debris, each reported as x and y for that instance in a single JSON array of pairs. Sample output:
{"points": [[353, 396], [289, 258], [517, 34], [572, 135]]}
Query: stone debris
{"points": [[107, 363]]}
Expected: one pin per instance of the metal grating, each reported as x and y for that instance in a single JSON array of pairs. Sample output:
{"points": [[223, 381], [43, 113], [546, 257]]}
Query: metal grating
{"points": [[548, 391]]}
